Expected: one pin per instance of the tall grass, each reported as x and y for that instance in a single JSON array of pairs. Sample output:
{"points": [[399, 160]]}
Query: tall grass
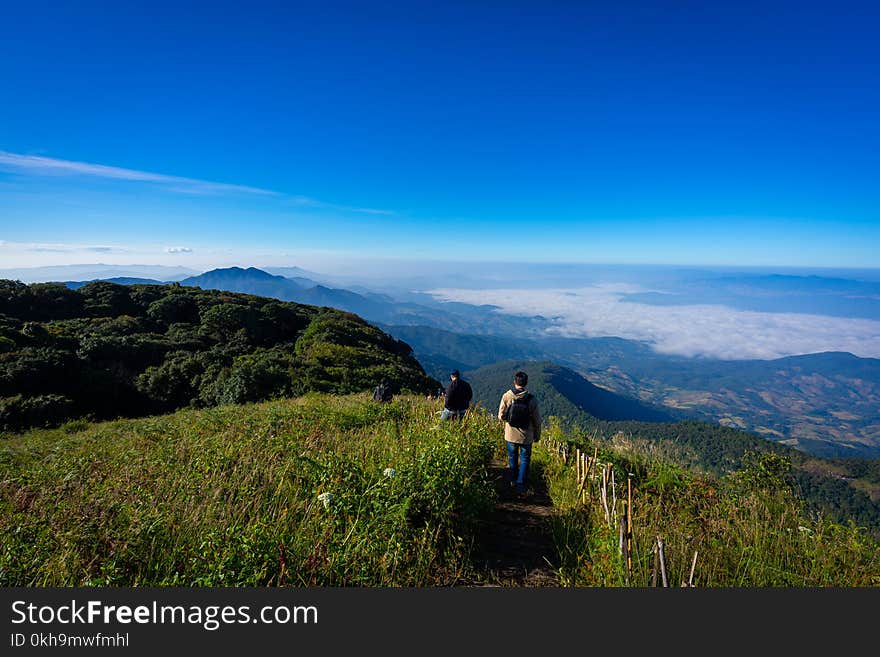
{"points": [[326, 491], [748, 529], [341, 491]]}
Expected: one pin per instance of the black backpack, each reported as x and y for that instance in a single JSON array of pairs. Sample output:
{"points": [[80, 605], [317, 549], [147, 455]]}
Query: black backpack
{"points": [[519, 413], [382, 393]]}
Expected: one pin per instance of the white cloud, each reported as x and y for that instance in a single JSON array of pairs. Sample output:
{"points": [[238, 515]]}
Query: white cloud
{"points": [[39, 165], [700, 330], [178, 249], [63, 248], [48, 165], [315, 203]]}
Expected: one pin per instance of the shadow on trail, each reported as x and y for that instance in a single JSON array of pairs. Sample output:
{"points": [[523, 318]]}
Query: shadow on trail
{"points": [[515, 546]]}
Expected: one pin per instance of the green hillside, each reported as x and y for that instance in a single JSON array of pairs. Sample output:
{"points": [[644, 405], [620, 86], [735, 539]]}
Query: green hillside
{"points": [[106, 350], [560, 391], [840, 488], [314, 491], [442, 351], [329, 490]]}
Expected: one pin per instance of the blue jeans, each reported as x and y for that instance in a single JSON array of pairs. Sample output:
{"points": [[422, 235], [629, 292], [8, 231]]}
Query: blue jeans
{"points": [[519, 473], [451, 415]]}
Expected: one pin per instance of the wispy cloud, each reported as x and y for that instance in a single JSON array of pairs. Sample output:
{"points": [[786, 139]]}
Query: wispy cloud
{"points": [[63, 248], [47, 165], [40, 165], [178, 249], [700, 330], [315, 203]]}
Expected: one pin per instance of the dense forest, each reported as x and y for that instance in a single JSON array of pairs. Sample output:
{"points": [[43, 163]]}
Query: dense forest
{"points": [[106, 350]]}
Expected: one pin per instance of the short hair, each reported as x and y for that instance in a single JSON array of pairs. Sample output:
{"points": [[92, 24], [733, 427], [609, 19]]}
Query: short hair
{"points": [[521, 378]]}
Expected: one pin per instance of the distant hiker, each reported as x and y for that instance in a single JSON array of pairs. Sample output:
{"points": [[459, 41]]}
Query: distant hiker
{"points": [[383, 392], [522, 428], [458, 397]]}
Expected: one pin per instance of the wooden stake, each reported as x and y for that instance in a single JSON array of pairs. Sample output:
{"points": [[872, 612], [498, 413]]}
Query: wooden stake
{"points": [[605, 495], [662, 562], [593, 461], [578, 464], [656, 566], [613, 497], [588, 466], [629, 523], [624, 539], [693, 565]]}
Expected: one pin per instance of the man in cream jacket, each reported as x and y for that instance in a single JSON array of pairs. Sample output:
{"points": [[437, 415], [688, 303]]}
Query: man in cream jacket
{"points": [[522, 427]]}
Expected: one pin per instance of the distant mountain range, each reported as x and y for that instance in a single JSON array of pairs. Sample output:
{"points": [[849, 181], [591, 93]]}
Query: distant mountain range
{"points": [[821, 295], [92, 272], [826, 404], [374, 307], [120, 280]]}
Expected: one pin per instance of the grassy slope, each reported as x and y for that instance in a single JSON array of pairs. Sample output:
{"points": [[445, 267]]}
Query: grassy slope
{"points": [[228, 496], [748, 528]]}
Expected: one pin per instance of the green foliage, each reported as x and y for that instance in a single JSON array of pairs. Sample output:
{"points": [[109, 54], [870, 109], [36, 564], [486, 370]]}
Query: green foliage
{"points": [[763, 471], [113, 350], [340, 491], [748, 528], [316, 491], [174, 308], [17, 412]]}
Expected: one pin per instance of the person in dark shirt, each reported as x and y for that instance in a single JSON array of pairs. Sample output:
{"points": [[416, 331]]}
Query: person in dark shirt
{"points": [[458, 397], [384, 392]]}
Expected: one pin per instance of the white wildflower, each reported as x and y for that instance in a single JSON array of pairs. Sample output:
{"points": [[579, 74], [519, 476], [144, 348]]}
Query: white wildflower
{"points": [[389, 472], [325, 498]]}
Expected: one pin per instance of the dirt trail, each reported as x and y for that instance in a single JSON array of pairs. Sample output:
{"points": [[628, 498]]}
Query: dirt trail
{"points": [[515, 547]]}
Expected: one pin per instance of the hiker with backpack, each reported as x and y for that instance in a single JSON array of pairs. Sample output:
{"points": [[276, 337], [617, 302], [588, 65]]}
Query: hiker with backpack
{"points": [[458, 397], [383, 392], [522, 427]]}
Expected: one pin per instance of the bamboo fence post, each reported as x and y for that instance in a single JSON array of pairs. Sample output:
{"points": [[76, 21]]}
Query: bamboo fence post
{"points": [[693, 566], [629, 523], [592, 462], [578, 469], [588, 466], [605, 495], [656, 565], [624, 539], [662, 562], [613, 498]]}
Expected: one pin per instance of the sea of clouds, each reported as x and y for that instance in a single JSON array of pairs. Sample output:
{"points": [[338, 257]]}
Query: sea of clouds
{"points": [[714, 331]]}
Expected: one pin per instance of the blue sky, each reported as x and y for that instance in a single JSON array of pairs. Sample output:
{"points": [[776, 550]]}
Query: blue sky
{"points": [[287, 133]]}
